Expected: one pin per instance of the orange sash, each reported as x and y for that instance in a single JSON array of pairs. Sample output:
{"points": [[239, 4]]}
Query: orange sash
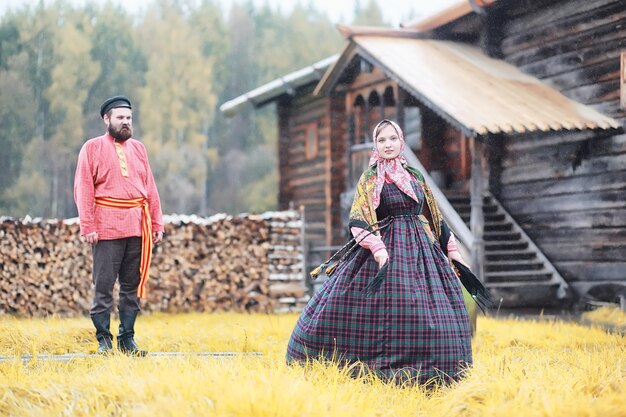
{"points": [[146, 233]]}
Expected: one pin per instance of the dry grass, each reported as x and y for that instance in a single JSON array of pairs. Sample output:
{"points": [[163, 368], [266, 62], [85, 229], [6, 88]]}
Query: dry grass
{"points": [[522, 368], [609, 316]]}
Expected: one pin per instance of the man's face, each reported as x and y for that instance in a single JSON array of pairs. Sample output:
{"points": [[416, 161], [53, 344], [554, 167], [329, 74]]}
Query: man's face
{"points": [[120, 123]]}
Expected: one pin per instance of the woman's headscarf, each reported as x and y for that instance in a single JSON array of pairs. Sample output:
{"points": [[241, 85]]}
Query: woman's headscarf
{"points": [[393, 169]]}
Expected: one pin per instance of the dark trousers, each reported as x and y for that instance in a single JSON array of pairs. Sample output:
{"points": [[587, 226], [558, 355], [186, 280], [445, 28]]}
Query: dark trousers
{"points": [[113, 258]]}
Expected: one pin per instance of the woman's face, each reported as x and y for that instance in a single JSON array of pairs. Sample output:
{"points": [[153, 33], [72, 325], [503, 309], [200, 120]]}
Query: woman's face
{"points": [[388, 142]]}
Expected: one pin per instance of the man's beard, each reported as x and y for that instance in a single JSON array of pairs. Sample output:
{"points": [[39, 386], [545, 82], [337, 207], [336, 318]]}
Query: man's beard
{"points": [[123, 133]]}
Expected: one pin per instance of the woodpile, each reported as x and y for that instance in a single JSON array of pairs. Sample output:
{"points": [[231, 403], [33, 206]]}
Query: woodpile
{"points": [[222, 263], [43, 268]]}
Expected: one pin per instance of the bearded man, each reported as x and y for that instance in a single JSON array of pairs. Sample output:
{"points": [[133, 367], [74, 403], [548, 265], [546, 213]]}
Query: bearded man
{"points": [[120, 217]]}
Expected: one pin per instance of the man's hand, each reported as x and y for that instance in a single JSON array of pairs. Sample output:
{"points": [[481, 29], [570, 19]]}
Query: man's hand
{"points": [[91, 238], [381, 257], [157, 237]]}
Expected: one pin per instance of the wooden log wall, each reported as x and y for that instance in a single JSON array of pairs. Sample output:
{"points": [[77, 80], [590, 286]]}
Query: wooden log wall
{"points": [[336, 167], [568, 191], [222, 263], [573, 46], [303, 177]]}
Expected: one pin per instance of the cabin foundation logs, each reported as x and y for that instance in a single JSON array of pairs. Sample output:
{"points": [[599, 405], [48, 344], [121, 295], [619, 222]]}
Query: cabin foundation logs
{"points": [[250, 263]]}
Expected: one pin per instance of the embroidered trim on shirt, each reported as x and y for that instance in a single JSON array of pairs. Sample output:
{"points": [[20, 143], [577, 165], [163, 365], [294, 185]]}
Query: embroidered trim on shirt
{"points": [[122, 158]]}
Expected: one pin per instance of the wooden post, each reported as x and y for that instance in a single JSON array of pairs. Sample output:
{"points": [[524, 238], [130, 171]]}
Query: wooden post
{"points": [[400, 97], [351, 122], [328, 188], [480, 175], [622, 83]]}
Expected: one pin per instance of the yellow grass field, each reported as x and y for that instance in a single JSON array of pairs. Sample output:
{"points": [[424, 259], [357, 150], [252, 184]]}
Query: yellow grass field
{"points": [[522, 368]]}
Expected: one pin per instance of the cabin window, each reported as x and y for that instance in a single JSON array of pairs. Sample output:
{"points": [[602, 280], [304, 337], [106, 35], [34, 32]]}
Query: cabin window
{"points": [[622, 83], [365, 66], [312, 141], [360, 135], [388, 98]]}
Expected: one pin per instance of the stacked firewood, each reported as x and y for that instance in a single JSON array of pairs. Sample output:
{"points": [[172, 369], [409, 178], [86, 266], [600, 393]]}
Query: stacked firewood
{"points": [[286, 262], [43, 268], [222, 263]]}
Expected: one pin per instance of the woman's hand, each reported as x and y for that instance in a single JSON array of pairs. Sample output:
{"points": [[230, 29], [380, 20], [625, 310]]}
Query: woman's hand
{"points": [[456, 256], [381, 257]]}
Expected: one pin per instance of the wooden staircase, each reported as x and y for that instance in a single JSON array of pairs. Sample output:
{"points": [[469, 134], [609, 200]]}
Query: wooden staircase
{"points": [[516, 271]]}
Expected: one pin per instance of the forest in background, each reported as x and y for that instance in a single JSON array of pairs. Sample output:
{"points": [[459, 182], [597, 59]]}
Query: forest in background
{"points": [[177, 62]]}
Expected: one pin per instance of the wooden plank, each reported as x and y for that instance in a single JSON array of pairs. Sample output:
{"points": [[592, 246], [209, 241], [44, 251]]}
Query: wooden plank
{"points": [[621, 121], [542, 139], [586, 237], [553, 187], [305, 99], [611, 108], [307, 116], [306, 112], [314, 224], [568, 152], [284, 191], [479, 182], [574, 202], [299, 158], [563, 153], [306, 180], [599, 92], [308, 169], [569, 61], [587, 75], [563, 169], [542, 17], [295, 173], [314, 206], [573, 28], [573, 42], [313, 193], [591, 271], [568, 250]]}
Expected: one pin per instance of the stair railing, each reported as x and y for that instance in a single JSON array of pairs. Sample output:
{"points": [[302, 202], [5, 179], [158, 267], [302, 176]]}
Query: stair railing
{"points": [[456, 223], [564, 289]]}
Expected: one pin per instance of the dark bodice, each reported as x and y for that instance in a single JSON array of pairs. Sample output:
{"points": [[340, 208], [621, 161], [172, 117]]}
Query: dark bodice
{"points": [[394, 202]]}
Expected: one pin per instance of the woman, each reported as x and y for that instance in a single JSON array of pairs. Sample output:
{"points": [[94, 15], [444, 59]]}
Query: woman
{"points": [[394, 303]]}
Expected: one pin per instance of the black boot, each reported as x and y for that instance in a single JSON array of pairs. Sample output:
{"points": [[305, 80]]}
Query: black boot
{"points": [[102, 322], [125, 338]]}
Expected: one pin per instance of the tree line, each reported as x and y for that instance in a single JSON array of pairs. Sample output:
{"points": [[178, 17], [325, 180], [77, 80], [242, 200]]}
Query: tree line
{"points": [[177, 62]]}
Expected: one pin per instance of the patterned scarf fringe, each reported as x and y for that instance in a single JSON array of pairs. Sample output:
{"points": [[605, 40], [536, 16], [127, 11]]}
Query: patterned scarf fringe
{"points": [[348, 248], [481, 294]]}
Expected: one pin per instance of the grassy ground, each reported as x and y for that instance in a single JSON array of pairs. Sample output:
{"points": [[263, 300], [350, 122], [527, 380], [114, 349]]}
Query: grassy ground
{"points": [[610, 317], [522, 368]]}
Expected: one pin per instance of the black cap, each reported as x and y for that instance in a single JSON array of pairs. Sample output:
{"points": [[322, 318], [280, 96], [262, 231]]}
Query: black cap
{"points": [[114, 102]]}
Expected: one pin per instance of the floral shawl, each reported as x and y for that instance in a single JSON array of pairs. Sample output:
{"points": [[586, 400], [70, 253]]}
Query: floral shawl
{"points": [[390, 169], [363, 213]]}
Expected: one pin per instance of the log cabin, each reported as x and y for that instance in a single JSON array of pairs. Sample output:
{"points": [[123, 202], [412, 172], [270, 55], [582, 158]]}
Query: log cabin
{"points": [[514, 111]]}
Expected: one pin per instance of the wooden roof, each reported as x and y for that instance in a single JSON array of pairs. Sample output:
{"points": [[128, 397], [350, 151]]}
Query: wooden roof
{"points": [[446, 11], [473, 92], [286, 84]]}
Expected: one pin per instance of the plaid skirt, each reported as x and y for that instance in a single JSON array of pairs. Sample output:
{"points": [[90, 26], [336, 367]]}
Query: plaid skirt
{"points": [[412, 325]]}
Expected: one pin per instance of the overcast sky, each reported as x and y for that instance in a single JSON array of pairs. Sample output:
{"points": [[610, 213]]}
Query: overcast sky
{"points": [[340, 11]]}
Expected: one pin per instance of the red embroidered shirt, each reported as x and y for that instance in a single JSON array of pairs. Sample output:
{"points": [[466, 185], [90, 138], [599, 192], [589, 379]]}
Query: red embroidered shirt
{"points": [[118, 170]]}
